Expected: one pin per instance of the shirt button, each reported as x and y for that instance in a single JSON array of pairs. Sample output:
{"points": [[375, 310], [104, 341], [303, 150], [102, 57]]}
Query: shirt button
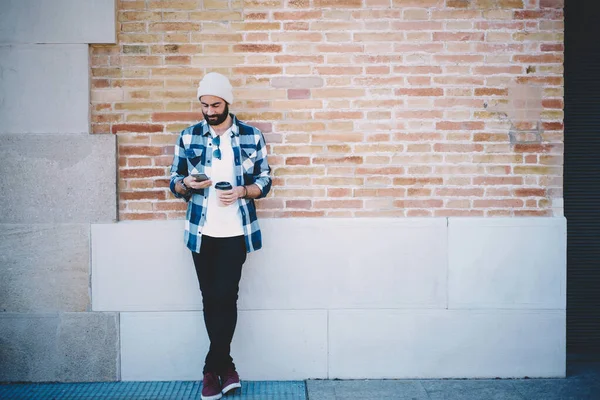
{"points": [[208, 161]]}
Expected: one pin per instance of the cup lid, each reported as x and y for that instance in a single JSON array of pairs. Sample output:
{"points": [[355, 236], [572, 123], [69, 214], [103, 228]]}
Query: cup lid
{"points": [[223, 185]]}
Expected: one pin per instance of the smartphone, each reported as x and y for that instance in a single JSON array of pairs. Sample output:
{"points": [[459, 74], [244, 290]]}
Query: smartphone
{"points": [[200, 177]]}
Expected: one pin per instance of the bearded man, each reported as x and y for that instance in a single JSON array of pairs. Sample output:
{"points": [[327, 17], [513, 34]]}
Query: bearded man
{"points": [[220, 167]]}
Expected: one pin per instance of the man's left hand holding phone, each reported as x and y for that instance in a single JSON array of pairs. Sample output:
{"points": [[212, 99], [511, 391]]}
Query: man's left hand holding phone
{"points": [[197, 181]]}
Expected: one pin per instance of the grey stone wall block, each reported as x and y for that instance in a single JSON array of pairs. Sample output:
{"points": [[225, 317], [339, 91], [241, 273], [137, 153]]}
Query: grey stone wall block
{"points": [[58, 179], [26, 347], [44, 268], [44, 88], [57, 21], [88, 346], [67, 347]]}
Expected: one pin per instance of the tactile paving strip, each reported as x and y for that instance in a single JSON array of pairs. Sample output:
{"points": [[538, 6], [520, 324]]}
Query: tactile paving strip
{"points": [[177, 390]]}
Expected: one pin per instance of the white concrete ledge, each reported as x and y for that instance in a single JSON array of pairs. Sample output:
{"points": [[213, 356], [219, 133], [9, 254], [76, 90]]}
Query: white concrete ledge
{"points": [[338, 264], [348, 298], [57, 21]]}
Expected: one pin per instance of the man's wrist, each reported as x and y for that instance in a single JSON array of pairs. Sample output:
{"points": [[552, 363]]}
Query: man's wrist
{"points": [[183, 186]]}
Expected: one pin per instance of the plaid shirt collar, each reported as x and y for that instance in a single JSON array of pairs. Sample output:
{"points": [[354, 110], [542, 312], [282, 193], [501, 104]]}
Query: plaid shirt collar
{"points": [[235, 128]]}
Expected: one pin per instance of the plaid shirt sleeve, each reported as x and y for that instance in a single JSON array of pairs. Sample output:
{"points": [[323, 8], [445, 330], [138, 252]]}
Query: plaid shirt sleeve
{"points": [[263, 179], [179, 167]]}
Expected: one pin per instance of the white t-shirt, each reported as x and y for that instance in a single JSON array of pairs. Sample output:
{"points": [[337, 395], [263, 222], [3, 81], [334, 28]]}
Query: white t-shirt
{"points": [[222, 221]]}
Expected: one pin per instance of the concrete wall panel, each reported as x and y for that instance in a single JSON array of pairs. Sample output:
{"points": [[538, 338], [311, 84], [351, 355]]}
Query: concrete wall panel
{"points": [[446, 343], [507, 263], [155, 272], [58, 178], [348, 263], [44, 89], [45, 267], [57, 21], [300, 267], [66, 347], [268, 345], [382, 284]]}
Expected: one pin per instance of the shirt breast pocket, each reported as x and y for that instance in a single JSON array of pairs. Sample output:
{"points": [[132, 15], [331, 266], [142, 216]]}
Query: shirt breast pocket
{"points": [[248, 161], [195, 158]]}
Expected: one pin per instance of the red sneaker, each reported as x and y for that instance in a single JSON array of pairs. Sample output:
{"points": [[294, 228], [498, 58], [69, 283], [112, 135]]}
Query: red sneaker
{"points": [[231, 380], [211, 388]]}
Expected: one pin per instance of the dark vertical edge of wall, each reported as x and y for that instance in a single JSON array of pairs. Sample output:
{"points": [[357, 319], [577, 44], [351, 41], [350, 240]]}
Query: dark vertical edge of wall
{"points": [[582, 177]]}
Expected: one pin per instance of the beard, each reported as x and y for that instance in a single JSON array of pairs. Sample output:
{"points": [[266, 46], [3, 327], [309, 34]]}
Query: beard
{"points": [[217, 119]]}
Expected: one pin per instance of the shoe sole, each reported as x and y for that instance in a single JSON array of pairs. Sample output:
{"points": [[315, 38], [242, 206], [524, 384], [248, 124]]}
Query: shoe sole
{"points": [[213, 397], [231, 388]]}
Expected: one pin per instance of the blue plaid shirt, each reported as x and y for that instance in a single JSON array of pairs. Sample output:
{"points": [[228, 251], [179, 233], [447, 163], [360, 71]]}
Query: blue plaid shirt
{"points": [[251, 167]]}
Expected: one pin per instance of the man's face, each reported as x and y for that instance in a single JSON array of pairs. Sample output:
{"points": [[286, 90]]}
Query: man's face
{"points": [[214, 109]]}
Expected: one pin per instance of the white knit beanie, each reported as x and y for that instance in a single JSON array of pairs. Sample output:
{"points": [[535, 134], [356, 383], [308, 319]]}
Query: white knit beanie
{"points": [[215, 84]]}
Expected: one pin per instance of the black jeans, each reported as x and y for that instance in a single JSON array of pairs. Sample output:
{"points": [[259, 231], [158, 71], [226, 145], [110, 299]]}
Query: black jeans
{"points": [[219, 269]]}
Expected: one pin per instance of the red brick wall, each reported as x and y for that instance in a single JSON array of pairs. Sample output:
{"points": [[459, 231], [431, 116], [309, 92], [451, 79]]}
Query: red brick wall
{"points": [[370, 107]]}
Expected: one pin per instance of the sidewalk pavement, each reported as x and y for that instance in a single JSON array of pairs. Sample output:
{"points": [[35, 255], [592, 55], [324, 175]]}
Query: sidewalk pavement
{"points": [[582, 383]]}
